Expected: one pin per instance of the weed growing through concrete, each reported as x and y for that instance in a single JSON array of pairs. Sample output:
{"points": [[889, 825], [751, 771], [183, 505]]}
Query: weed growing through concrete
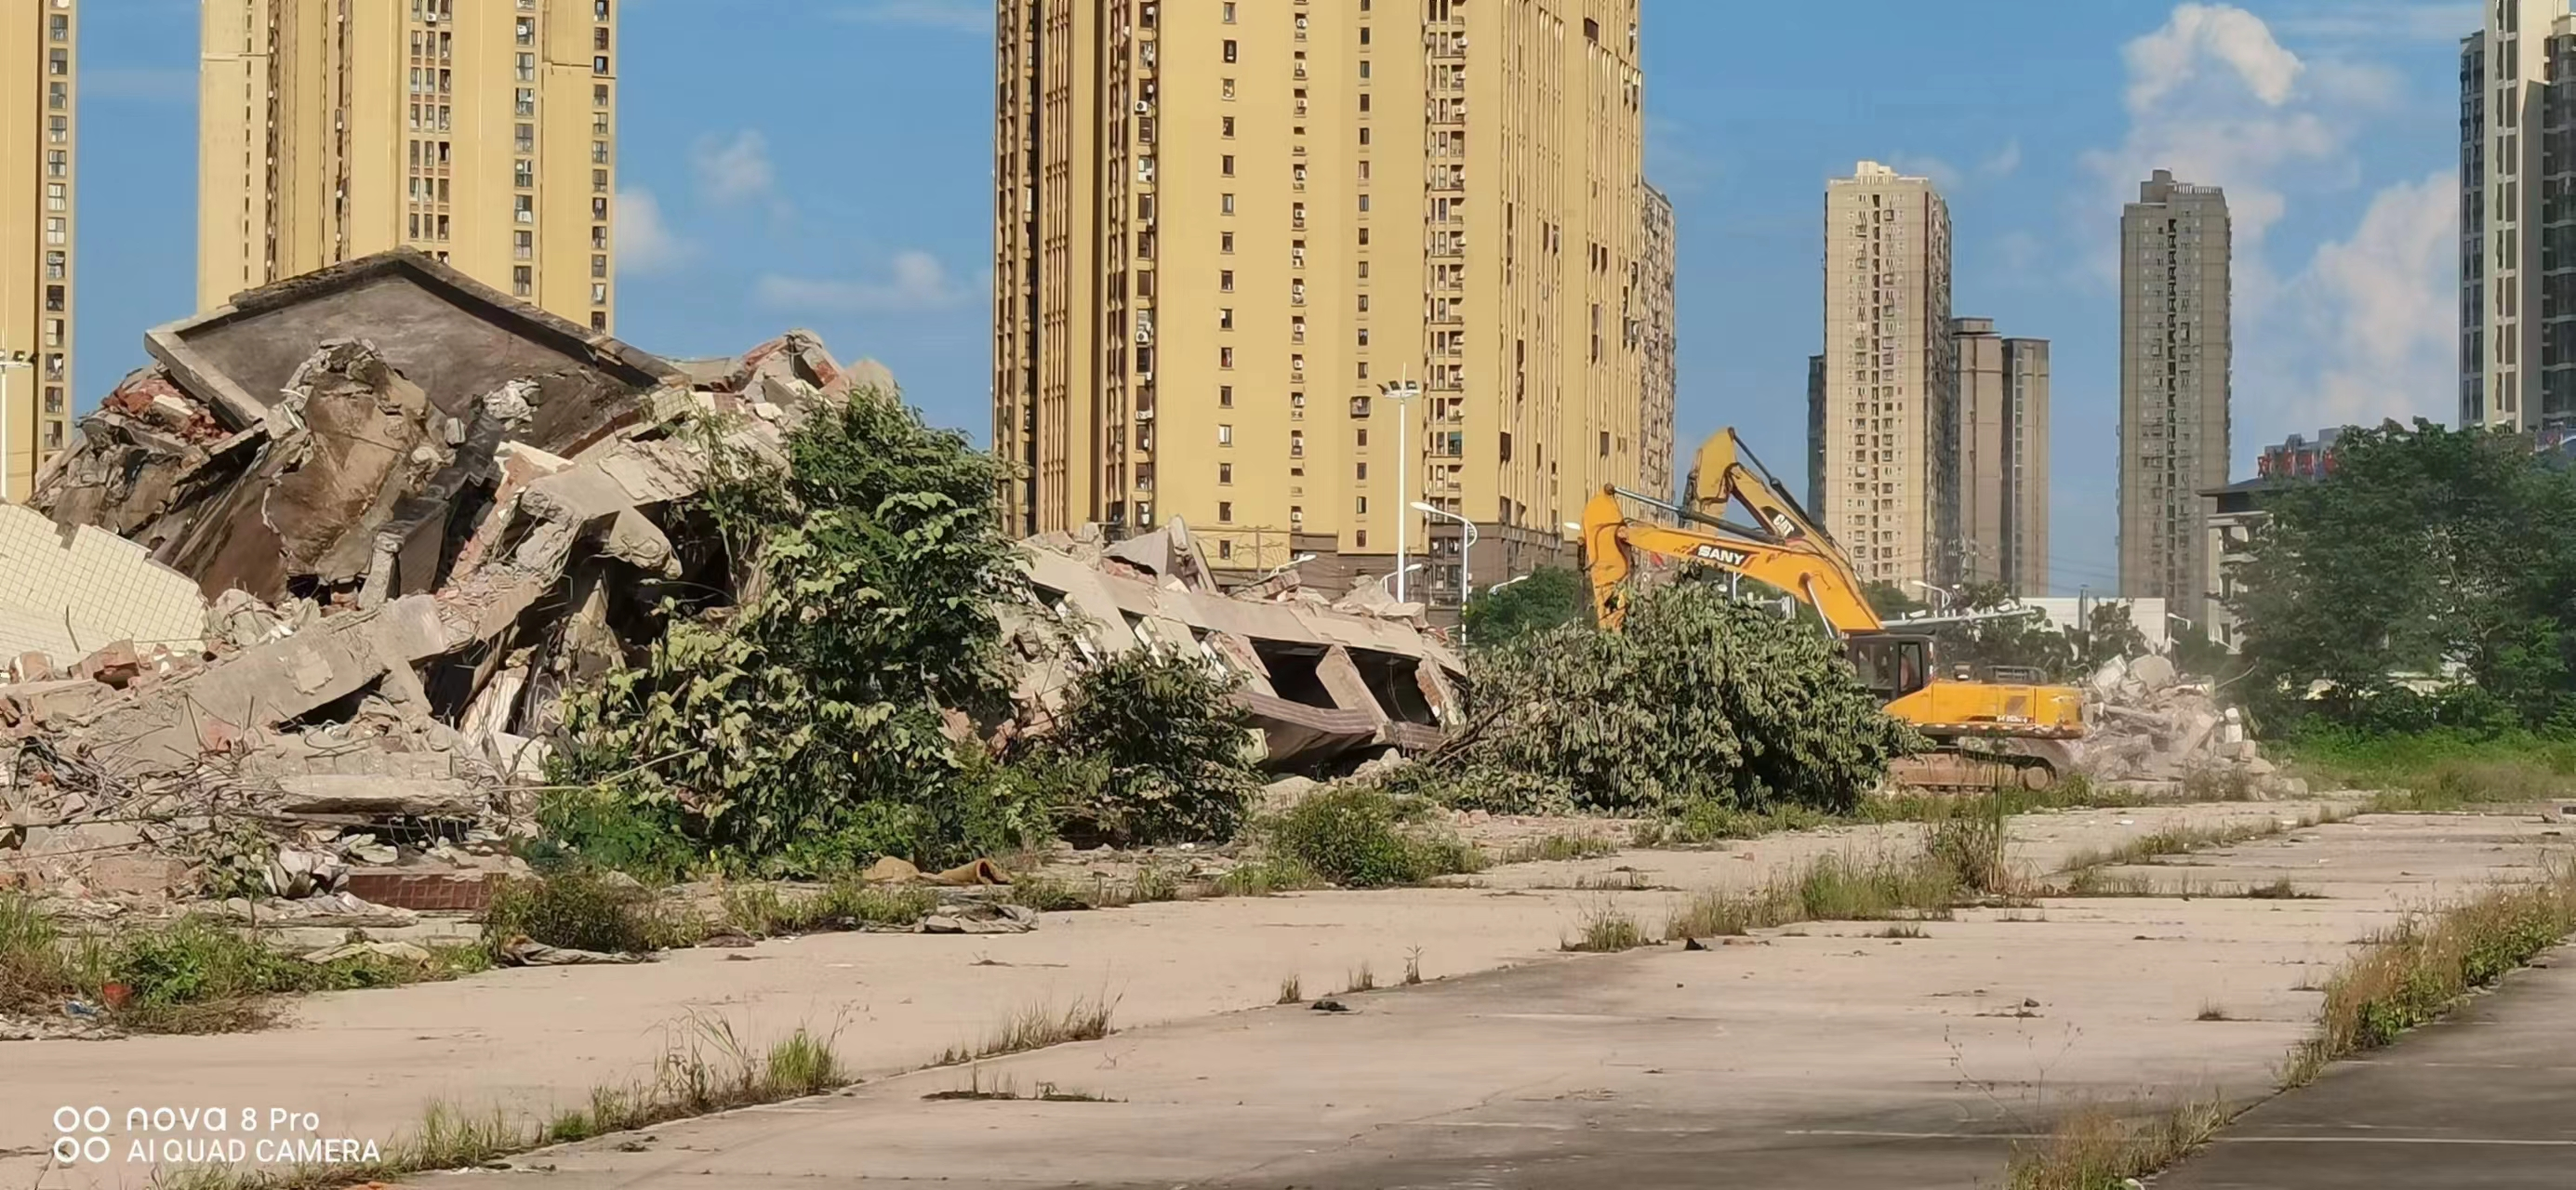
{"points": [[191, 975], [1359, 837], [2280, 890], [1291, 992], [1830, 888], [586, 910], [976, 1090], [2418, 971], [2213, 1012], [2095, 1149], [1413, 966], [1969, 843], [1038, 1026], [1265, 878], [764, 911], [1362, 980], [1901, 930], [707, 1069], [1560, 847], [2187, 838], [1605, 929]]}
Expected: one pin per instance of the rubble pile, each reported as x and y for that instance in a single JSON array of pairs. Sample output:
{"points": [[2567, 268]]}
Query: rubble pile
{"points": [[400, 514], [292, 623], [2150, 725]]}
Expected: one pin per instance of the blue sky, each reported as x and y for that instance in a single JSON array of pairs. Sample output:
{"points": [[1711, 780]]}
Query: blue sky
{"points": [[830, 168]]}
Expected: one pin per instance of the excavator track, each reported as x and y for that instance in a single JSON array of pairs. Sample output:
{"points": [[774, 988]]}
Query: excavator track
{"points": [[1983, 766]]}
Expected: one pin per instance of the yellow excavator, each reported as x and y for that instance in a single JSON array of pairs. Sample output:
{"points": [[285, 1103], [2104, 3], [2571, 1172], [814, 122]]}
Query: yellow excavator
{"points": [[1987, 733]]}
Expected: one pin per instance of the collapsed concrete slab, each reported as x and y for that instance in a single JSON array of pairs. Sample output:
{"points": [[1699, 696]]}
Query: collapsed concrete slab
{"points": [[66, 590], [1320, 683]]}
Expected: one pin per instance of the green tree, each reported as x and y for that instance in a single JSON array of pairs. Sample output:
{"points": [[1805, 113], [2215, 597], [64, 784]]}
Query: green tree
{"points": [[2424, 549], [1549, 596], [1171, 744], [802, 729]]}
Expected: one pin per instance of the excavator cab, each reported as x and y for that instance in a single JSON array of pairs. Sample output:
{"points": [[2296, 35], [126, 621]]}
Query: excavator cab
{"points": [[1891, 665]]}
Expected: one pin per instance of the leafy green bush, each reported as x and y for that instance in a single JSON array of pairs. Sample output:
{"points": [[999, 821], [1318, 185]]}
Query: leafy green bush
{"points": [[800, 732], [1548, 597], [583, 909], [1168, 743], [1359, 837], [1701, 701]]}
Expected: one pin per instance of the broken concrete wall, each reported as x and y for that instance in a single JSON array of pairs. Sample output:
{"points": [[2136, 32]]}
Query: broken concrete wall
{"points": [[67, 591]]}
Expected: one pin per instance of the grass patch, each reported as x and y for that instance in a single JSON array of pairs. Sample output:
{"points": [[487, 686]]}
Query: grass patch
{"points": [[1291, 991], [1711, 822], [2188, 838], [2443, 770], [1831, 888], [1359, 837], [2418, 971], [1968, 844], [708, 1069], [1362, 980], [190, 975], [1902, 929], [586, 909], [2280, 890], [1038, 1026], [1560, 847], [2212, 1012], [851, 904], [1607, 930], [977, 1091], [1265, 878], [2095, 1149]]}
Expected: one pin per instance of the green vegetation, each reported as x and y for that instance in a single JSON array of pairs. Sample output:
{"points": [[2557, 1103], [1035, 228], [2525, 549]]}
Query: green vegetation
{"points": [[2058, 654], [2416, 972], [1549, 597], [1360, 837], [1169, 743], [1831, 888], [1700, 699], [189, 975], [1038, 1026], [2097, 1149], [1603, 930], [2423, 550], [2441, 769], [586, 910], [1560, 847], [848, 903]]}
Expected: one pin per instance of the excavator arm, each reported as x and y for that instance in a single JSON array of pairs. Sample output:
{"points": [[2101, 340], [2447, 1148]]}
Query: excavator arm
{"points": [[1817, 578], [1725, 470]]}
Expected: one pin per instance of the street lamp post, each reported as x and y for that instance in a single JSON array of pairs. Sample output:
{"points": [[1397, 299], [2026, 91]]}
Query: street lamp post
{"points": [[1947, 596], [1276, 571], [1467, 542], [1398, 578], [1402, 392]]}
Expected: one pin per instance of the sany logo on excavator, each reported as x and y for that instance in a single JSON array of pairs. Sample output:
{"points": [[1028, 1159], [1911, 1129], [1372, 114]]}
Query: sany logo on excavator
{"points": [[1723, 557]]}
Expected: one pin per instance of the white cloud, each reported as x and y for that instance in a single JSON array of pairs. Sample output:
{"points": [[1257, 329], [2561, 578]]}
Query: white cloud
{"points": [[2379, 311], [2005, 162], [915, 283], [735, 170], [961, 16], [2200, 36], [646, 244]]}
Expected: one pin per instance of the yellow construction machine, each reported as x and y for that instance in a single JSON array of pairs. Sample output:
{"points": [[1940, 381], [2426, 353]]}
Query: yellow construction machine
{"points": [[2010, 730]]}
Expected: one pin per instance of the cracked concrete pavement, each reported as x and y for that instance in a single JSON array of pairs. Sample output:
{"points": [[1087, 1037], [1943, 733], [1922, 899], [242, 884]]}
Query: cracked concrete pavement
{"points": [[1819, 1049]]}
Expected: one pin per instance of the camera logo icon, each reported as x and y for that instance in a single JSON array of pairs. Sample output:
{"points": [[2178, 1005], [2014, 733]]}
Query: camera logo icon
{"points": [[80, 1135]]}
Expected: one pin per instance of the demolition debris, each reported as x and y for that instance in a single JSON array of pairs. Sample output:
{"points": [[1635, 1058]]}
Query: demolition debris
{"points": [[294, 621]]}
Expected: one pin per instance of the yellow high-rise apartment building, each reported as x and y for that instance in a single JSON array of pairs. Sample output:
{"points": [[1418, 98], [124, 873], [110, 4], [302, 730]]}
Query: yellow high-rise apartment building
{"points": [[480, 131], [39, 52], [1883, 428], [1224, 226]]}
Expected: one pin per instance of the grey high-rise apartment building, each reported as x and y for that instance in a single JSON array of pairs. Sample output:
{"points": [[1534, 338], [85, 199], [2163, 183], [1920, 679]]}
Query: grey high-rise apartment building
{"points": [[1889, 393], [2175, 362], [2003, 458], [2518, 144]]}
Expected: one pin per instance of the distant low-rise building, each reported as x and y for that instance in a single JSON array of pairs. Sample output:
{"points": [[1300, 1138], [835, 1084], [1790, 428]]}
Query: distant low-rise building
{"points": [[2237, 511]]}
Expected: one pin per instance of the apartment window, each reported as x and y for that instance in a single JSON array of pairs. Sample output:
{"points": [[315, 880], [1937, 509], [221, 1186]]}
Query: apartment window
{"points": [[1364, 35], [599, 152], [524, 174], [523, 245], [524, 136], [1364, 104], [1364, 237], [58, 96], [1296, 444], [53, 400], [58, 129], [599, 320], [54, 230], [1228, 126], [1364, 136], [53, 332], [56, 268], [1225, 473], [527, 68], [599, 209], [599, 38], [1225, 396], [1225, 318], [55, 198], [1229, 19], [1225, 435], [1226, 86], [59, 27], [1361, 472], [1364, 68], [1225, 204], [599, 10], [1225, 357], [54, 298], [527, 102], [1225, 241], [599, 65], [524, 207], [1363, 303], [1364, 204], [1230, 52], [599, 266], [1605, 444], [523, 280], [599, 237], [599, 95], [1225, 165], [599, 295], [1225, 510], [1363, 337], [599, 181], [1225, 281], [58, 62], [527, 31]]}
